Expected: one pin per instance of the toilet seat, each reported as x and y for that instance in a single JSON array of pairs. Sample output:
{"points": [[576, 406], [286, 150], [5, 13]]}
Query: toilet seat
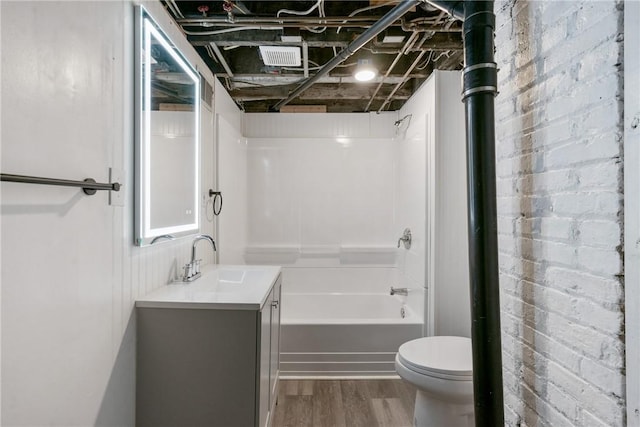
{"points": [[442, 357]]}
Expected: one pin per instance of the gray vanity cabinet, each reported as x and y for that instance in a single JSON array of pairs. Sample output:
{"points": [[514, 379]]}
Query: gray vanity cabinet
{"points": [[208, 366], [269, 356]]}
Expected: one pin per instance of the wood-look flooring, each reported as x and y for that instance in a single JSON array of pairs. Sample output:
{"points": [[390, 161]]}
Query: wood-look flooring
{"points": [[344, 403]]}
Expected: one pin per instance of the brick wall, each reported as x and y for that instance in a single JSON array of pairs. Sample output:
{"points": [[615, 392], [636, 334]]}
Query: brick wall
{"points": [[559, 167]]}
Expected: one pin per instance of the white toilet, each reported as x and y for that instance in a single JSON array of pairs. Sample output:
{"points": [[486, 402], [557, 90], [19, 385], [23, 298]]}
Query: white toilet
{"points": [[441, 369]]}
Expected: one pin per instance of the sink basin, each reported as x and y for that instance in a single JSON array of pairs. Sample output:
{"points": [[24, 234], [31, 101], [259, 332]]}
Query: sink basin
{"points": [[231, 276]]}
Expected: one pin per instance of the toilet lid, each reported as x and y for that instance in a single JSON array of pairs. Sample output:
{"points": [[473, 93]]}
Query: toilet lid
{"points": [[450, 356]]}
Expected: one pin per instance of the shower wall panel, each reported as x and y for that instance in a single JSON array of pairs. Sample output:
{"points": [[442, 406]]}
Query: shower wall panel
{"points": [[319, 195]]}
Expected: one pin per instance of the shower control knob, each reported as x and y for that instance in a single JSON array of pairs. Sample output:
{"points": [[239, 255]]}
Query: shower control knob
{"points": [[405, 239]]}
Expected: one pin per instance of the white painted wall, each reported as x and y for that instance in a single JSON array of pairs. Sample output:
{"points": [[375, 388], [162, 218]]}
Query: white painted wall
{"points": [[70, 272], [226, 108], [321, 199], [232, 173], [432, 190], [451, 251], [332, 125], [413, 138], [356, 184], [632, 208], [320, 196], [559, 168]]}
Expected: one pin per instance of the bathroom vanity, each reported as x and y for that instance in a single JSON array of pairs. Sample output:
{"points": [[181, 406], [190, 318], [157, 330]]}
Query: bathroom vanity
{"points": [[208, 351]]}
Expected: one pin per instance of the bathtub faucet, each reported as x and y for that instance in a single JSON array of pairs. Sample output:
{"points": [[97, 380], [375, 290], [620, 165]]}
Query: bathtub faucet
{"points": [[399, 291]]}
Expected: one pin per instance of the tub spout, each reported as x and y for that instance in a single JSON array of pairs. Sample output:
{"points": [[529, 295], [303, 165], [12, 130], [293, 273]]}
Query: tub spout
{"points": [[399, 291]]}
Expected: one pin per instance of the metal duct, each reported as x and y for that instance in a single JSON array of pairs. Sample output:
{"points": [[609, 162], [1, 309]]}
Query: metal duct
{"points": [[388, 19], [479, 90]]}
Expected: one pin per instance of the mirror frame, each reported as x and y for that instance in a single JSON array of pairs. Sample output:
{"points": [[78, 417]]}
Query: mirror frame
{"points": [[146, 27]]}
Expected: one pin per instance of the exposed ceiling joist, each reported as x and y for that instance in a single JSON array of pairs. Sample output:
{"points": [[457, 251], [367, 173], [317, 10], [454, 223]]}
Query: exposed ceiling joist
{"points": [[438, 42], [322, 92], [226, 33], [279, 80]]}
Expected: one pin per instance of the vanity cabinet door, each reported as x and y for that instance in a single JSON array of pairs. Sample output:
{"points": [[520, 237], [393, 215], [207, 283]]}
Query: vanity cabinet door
{"points": [[275, 344], [264, 362], [269, 345], [198, 367]]}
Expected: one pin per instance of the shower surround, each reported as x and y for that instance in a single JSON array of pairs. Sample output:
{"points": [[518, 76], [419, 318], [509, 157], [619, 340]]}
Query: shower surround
{"points": [[328, 197]]}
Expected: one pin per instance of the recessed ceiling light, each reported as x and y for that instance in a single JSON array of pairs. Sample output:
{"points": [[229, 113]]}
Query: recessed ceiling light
{"points": [[365, 71]]}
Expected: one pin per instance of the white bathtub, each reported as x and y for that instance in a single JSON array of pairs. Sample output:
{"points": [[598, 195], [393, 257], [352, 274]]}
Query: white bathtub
{"points": [[343, 334], [345, 308]]}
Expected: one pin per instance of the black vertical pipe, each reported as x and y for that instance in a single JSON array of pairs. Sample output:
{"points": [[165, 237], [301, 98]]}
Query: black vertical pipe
{"points": [[479, 90]]}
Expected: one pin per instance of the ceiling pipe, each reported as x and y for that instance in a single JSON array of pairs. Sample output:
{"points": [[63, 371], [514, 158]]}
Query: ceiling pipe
{"points": [[175, 9], [392, 16], [238, 5], [410, 42], [305, 59], [208, 21], [453, 8], [403, 81], [478, 93], [404, 78], [221, 60]]}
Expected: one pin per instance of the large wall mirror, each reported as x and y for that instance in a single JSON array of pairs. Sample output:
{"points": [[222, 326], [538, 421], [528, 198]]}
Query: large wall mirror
{"points": [[167, 137]]}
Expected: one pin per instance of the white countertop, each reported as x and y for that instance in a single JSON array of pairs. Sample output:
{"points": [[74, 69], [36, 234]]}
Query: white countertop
{"points": [[230, 287]]}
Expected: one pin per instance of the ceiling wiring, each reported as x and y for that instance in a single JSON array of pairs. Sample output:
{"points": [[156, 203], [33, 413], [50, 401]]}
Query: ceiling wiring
{"points": [[319, 5], [364, 9], [422, 39], [229, 30]]}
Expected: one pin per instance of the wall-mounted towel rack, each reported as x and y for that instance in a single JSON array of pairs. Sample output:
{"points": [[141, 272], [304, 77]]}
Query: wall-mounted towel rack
{"points": [[89, 185]]}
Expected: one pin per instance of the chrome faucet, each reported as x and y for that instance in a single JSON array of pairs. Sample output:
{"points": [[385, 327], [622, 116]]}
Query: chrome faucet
{"points": [[399, 291], [192, 269]]}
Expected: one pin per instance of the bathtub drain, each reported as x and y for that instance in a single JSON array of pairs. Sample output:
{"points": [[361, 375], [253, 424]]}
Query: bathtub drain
{"points": [[403, 312]]}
